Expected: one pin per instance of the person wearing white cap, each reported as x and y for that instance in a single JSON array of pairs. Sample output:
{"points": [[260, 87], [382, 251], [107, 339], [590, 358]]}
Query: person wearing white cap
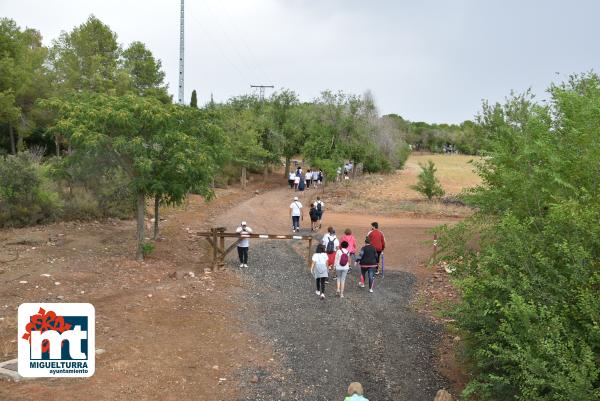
{"points": [[296, 212], [243, 244]]}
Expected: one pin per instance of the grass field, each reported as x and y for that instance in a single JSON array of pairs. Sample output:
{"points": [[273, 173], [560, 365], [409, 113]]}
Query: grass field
{"points": [[392, 193]]}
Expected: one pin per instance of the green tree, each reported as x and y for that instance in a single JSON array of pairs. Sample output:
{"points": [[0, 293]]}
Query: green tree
{"points": [[428, 184], [23, 79], [194, 100], [134, 131], [145, 72], [282, 105], [87, 58], [529, 306]]}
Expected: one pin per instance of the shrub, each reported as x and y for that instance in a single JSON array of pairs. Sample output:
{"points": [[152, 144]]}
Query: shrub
{"points": [[428, 184], [529, 308], [25, 195]]}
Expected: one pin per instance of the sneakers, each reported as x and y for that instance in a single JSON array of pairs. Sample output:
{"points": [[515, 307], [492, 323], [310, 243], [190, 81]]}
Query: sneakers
{"points": [[361, 285], [341, 295], [318, 293], [337, 294], [245, 265], [241, 265], [370, 290], [322, 297]]}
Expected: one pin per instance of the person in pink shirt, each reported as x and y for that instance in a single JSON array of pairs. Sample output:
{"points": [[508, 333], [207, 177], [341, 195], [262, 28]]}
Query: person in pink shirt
{"points": [[349, 238]]}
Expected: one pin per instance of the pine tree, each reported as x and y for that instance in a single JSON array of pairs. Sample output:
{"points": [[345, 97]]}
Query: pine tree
{"points": [[428, 184], [194, 101]]}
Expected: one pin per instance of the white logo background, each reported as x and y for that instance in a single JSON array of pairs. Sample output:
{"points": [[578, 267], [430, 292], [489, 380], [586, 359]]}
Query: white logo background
{"points": [[27, 310]]}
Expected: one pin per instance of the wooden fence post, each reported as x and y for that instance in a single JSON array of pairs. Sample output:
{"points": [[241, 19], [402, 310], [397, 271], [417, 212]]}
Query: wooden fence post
{"points": [[309, 250]]}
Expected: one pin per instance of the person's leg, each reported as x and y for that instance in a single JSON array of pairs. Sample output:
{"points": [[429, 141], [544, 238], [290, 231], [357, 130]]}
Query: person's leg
{"points": [[362, 276], [323, 286], [240, 255], [338, 285], [318, 282], [245, 255], [371, 272], [342, 281]]}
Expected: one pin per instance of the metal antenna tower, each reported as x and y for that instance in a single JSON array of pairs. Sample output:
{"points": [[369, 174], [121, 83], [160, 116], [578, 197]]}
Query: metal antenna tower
{"points": [[261, 90], [181, 52]]}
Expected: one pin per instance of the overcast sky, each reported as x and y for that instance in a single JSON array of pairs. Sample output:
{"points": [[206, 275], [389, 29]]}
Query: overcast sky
{"points": [[427, 60]]}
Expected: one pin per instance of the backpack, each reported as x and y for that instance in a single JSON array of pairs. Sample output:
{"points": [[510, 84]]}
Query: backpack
{"points": [[330, 245], [319, 208], [313, 213], [344, 259]]}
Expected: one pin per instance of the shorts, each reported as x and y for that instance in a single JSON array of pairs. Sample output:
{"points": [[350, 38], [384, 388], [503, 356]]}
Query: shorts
{"points": [[330, 258], [341, 275]]}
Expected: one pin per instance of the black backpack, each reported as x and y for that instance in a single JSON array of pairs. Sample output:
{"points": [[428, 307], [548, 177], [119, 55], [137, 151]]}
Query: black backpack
{"points": [[319, 209], [330, 245]]}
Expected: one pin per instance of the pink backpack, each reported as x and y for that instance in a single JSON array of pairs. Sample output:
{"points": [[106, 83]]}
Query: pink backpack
{"points": [[344, 258]]}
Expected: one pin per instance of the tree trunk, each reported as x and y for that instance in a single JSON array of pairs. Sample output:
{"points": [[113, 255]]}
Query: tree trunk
{"points": [[156, 205], [57, 144], [244, 178], [287, 167], [20, 146], [140, 210], [266, 172], [13, 147]]}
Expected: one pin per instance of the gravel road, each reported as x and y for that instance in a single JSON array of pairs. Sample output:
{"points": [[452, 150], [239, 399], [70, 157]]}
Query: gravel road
{"points": [[376, 339]]}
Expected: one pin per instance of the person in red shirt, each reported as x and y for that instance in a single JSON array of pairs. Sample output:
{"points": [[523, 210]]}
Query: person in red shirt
{"points": [[377, 240]]}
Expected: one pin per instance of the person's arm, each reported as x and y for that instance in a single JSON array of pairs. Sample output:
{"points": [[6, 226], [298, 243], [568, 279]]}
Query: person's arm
{"points": [[249, 229], [312, 267], [338, 255], [382, 242]]}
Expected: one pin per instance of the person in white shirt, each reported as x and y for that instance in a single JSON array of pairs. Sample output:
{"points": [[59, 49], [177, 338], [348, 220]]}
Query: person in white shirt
{"points": [[296, 182], [308, 178], [296, 213], [331, 244], [243, 244], [291, 179], [315, 178]]}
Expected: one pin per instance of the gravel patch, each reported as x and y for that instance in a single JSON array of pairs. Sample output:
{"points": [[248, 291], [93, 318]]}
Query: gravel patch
{"points": [[373, 338]]}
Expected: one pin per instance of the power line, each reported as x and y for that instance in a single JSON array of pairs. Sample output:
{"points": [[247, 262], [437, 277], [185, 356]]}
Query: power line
{"points": [[181, 53], [261, 90]]}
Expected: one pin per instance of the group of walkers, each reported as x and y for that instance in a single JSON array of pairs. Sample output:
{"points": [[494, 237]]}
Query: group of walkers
{"points": [[317, 209], [298, 180], [339, 256]]}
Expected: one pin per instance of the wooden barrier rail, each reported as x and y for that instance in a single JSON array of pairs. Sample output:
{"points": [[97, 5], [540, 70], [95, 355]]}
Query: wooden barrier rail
{"points": [[216, 238]]}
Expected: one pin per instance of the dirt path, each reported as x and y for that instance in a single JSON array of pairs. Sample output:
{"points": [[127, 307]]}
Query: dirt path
{"points": [[169, 335], [378, 340]]}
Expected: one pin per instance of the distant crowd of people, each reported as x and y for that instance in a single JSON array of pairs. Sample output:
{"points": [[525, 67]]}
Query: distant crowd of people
{"points": [[299, 181]]}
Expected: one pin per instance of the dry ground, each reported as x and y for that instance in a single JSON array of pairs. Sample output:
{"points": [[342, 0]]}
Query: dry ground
{"points": [[175, 338]]}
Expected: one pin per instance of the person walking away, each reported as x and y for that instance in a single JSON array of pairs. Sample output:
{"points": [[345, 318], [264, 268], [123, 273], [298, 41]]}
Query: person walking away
{"points": [[349, 238], [318, 269], [331, 244], [377, 240], [291, 177], [314, 218], [308, 178], [320, 209], [243, 244], [342, 265], [296, 182], [355, 392], [321, 177], [296, 213], [315, 178], [301, 184], [367, 258]]}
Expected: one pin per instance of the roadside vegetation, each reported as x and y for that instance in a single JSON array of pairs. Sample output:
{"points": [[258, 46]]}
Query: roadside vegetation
{"points": [[527, 263]]}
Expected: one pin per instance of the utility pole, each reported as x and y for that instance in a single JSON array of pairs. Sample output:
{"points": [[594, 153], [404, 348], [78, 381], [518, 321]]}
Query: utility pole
{"points": [[261, 90], [181, 53]]}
